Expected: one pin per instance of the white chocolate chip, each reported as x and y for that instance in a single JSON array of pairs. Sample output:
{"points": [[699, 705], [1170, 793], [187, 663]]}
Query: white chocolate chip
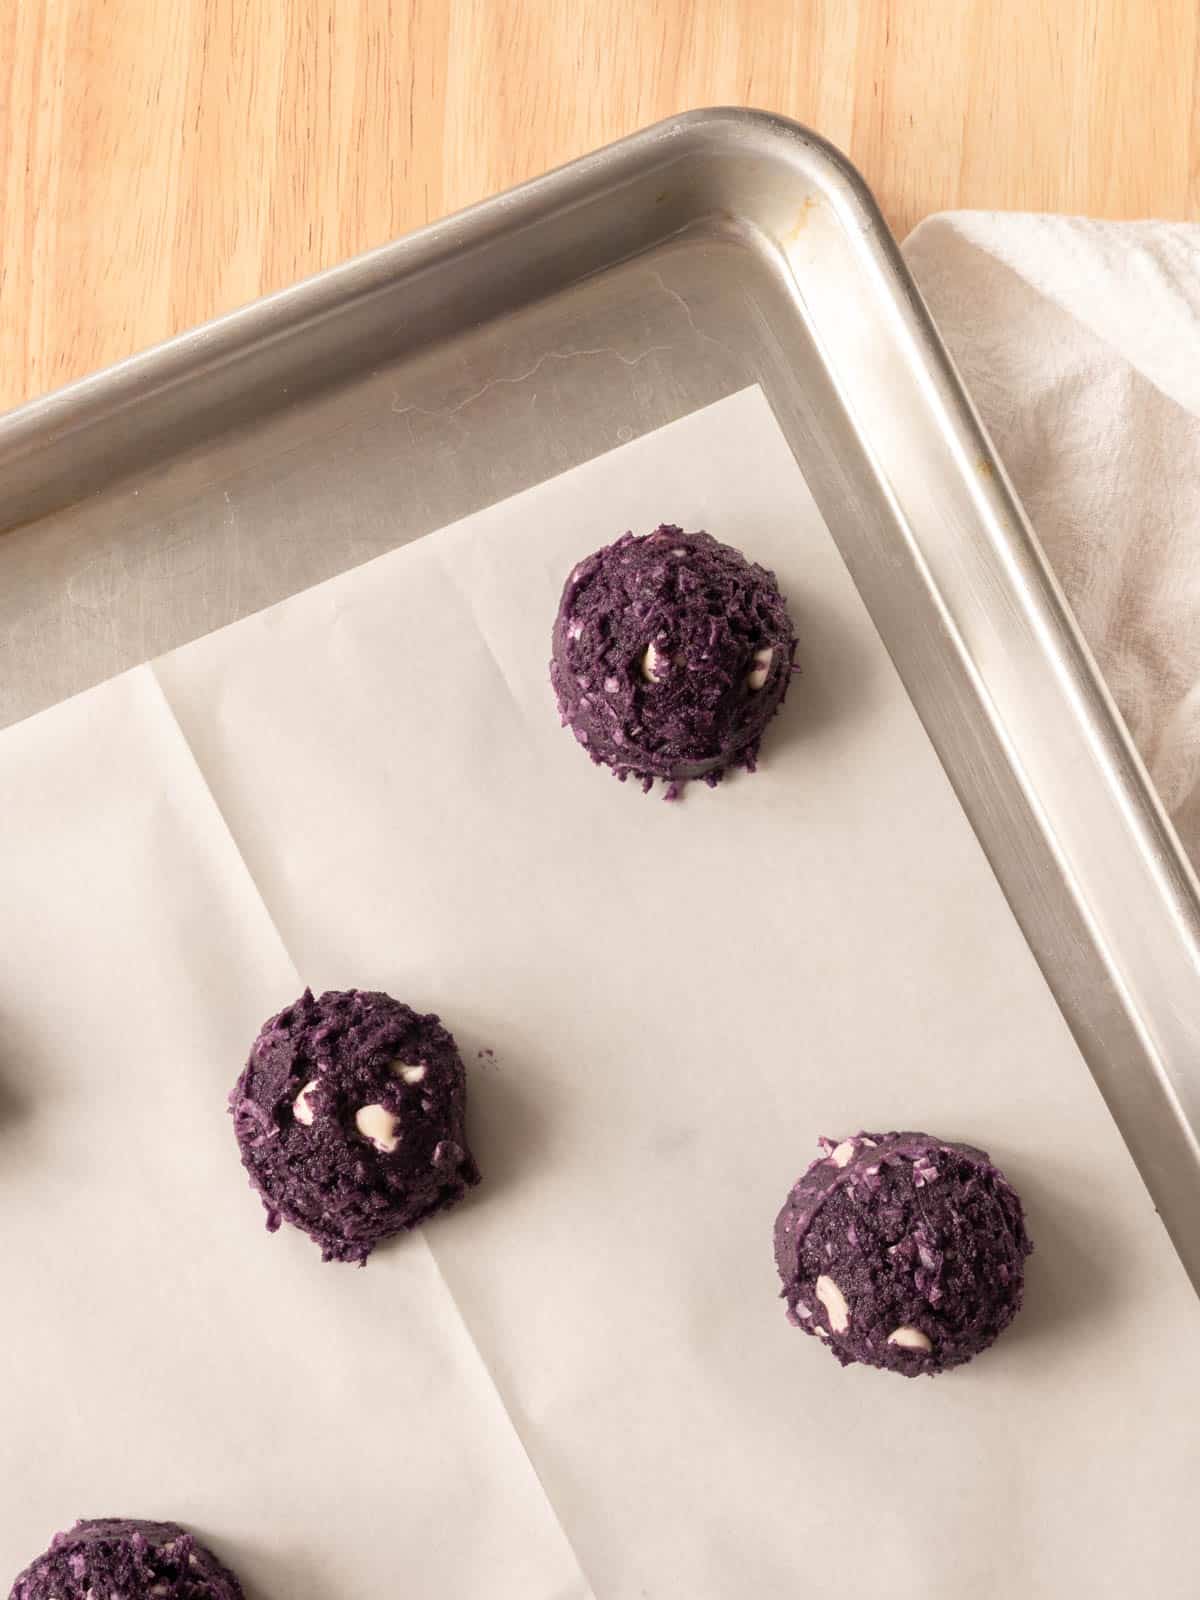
{"points": [[761, 669], [301, 1108], [841, 1155], [377, 1124], [413, 1074], [834, 1301], [652, 661], [909, 1339]]}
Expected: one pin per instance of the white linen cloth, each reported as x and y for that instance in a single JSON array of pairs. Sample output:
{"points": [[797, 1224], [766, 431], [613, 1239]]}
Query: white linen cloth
{"points": [[1080, 344]]}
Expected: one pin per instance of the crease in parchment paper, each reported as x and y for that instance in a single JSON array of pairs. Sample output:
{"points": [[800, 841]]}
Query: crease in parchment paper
{"points": [[419, 1236], [198, 772], [523, 712], [126, 1008]]}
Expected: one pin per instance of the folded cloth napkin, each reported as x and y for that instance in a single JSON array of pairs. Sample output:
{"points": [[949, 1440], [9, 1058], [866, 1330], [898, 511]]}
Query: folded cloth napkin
{"points": [[1080, 343]]}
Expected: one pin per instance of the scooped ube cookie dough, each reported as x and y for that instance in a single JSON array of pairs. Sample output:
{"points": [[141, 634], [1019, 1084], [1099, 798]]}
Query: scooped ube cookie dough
{"points": [[671, 653], [116, 1556], [350, 1120], [902, 1251]]}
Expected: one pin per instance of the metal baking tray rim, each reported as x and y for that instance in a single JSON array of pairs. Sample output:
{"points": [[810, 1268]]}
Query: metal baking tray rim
{"points": [[1050, 778]]}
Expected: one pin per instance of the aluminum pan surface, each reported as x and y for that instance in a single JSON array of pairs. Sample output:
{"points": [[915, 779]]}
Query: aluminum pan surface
{"points": [[491, 350]]}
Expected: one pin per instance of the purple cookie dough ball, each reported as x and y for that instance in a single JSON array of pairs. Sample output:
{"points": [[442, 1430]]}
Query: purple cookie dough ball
{"points": [[671, 653], [350, 1119], [902, 1251], [116, 1556]]}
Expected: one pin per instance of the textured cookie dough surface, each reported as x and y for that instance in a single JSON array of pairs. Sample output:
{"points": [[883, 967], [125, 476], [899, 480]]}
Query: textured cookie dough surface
{"points": [[670, 654], [111, 1557], [350, 1120], [902, 1251]]}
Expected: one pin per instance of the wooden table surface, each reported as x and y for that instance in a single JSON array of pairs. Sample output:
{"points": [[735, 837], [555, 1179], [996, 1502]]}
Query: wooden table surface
{"points": [[161, 162]]}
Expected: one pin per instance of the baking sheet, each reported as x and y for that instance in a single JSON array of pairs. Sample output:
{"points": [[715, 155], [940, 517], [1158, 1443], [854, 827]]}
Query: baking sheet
{"points": [[680, 999]]}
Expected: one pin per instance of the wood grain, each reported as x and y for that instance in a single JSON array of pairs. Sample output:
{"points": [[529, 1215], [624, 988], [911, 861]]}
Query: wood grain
{"points": [[162, 163]]}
